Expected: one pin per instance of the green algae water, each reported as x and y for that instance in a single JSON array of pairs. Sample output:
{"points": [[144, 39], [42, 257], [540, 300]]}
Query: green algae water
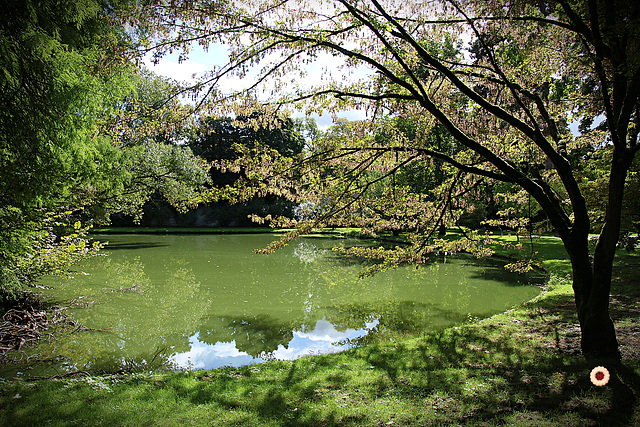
{"points": [[206, 301]]}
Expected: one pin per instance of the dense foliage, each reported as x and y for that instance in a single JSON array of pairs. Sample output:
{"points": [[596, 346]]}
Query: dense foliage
{"points": [[72, 139]]}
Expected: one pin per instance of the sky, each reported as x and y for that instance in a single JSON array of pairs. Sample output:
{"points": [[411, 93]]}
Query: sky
{"points": [[201, 60]]}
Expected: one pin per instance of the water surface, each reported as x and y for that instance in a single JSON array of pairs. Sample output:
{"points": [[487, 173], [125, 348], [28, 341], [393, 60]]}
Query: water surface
{"points": [[201, 302]]}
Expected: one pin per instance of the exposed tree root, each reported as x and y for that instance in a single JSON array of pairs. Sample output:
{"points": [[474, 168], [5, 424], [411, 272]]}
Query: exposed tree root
{"points": [[25, 321]]}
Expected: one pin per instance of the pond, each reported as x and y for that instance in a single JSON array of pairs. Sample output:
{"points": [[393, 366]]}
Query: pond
{"points": [[206, 301]]}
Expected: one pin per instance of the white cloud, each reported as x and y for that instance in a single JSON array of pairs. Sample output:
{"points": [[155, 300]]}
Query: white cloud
{"points": [[187, 70], [205, 356], [325, 331], [325, 67], [318, 340]]}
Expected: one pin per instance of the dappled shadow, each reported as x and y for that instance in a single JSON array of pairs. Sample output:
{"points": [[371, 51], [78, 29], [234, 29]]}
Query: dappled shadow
{"points": [[267, 398], [625, 303], [446, 372], [542, 382], [518, 383]]}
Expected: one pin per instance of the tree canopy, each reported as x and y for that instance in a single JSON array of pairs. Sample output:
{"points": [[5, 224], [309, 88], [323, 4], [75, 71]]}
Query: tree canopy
{"points": [[504, 79], [61, 72]]}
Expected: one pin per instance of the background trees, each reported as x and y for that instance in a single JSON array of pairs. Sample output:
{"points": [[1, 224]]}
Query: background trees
{"points": [[213, 140], [220, 138], [518, 74], [224, 139], [151, 160]]}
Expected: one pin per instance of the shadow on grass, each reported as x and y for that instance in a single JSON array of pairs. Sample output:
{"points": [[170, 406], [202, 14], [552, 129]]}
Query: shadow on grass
{"points": [[517, 369], [493, 377]]}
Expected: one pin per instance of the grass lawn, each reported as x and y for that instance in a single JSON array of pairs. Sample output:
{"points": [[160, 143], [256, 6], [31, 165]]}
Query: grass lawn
{"points": [[521, 367]]}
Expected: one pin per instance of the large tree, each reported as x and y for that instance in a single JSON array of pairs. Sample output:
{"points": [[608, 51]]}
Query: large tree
{"points": [[519, 72], [61, 74], [73, 133]]}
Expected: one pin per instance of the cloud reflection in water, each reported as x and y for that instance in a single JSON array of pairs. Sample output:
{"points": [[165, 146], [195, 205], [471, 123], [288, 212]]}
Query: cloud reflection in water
{"points": [[320, 340]]}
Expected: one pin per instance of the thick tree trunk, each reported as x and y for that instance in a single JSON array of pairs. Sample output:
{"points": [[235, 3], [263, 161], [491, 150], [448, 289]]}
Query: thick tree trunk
{"points": [[592, 276], [598, 339], [591, 289]]}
